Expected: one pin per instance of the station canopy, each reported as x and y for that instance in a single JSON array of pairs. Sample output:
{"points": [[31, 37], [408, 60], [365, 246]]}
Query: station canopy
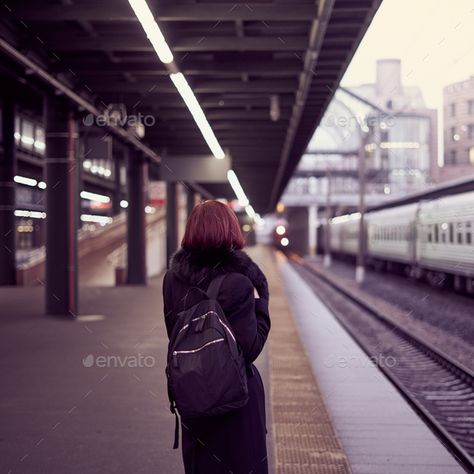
{"points": [[263, 72]]}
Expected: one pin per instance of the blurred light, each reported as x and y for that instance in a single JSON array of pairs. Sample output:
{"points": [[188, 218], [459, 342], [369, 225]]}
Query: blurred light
{"points": [[107, 173], [444, 226], [149, 209], [274, 107], [246, 228], [399, 145], [345, 218], [42, 185], [95, 197], [152, 30], [250, 211], [123, 204], [383, 125], [456, 137], [280, 229], [386, 189], [40, 145], [24, 180], [238, 190], [27, 140], [196, 111], [102, 220], [259, 220], [87, 164], [280, 207], [32, 214], [284, 242]]}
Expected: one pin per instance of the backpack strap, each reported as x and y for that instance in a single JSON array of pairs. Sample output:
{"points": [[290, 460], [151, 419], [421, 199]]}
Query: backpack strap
{"points": [[214, 286]]}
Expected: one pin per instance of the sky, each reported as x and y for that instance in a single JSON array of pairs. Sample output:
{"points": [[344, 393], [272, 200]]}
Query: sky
{"points": [[433, 38]]}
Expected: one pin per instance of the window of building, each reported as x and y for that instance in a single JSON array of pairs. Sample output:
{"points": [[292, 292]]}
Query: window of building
{"points": [[470, 106], [460, 232], [468, 233], [452, 110], [470, 153], [470, 131], [436, 233], [451, 233]]}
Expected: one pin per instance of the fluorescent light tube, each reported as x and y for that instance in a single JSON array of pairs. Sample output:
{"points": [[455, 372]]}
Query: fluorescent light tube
{"points": [[152, 30], [24, 180], [238, 190], [196, 111], [95, 197]]}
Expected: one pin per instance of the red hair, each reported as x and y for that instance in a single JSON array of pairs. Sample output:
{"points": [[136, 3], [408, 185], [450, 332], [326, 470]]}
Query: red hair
{"points": [[212, 225]]}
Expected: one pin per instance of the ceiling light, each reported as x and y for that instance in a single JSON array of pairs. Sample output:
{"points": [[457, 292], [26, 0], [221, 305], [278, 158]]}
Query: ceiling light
{"points": [[196, 111], [250, 211], [26, 181], [238, 190], [95, 197], [152, 30]]}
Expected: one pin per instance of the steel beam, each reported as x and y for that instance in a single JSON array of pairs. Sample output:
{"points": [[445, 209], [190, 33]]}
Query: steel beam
{"points": [[137, 171], [8, 164], [171, 220], [61, 208], [97, 11]]}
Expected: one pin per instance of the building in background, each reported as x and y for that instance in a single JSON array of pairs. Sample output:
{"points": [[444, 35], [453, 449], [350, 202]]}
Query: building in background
{"points": [[458, 110], [397, 133], [400, 137]]}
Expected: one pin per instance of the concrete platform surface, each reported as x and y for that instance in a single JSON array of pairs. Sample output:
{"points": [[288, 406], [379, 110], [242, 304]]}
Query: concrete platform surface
{"points": [[379, 431]]}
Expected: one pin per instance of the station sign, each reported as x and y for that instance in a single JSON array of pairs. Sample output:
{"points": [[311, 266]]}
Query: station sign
{"points": [[195, 168]]}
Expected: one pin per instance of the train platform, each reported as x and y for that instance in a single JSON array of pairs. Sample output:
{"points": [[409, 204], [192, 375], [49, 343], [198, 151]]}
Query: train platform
{"points": [[89, 395]]}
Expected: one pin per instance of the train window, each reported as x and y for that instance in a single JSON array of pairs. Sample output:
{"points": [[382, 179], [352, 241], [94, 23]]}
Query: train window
{"points": [[451, 232], [459, 228], [436, 233]]}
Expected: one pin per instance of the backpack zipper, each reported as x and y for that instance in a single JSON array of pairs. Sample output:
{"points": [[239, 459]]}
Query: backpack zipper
{"points": [[191, 351], [199, 317]]}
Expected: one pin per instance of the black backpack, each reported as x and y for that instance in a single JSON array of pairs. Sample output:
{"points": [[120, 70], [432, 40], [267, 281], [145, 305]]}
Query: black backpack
{"points": [[206, 370]]}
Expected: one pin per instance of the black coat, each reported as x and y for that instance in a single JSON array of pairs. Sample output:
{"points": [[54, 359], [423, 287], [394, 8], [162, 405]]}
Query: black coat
{"points": [[233, 442]]}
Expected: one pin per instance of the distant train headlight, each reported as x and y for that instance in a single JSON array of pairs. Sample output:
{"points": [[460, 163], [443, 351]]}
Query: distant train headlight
{"points": [[280, 229], [284, 242]]}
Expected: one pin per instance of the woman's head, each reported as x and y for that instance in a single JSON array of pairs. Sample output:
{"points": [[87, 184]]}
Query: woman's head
{"points": [[212, 225]]}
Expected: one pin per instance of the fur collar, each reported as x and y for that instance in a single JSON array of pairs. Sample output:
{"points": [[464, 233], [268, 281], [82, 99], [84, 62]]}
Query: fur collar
{"points": [[197, 266]]}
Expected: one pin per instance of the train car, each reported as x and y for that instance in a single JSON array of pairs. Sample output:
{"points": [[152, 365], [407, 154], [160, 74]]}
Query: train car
{"points": [[391, 234], [445, 240], [344, 234]]}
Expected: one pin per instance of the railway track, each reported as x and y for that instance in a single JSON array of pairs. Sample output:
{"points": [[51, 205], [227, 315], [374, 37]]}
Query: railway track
{"points": [[437, 387]]}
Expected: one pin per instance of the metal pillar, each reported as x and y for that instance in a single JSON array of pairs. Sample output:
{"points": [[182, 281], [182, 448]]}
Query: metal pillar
{"points": [[190, 201], [360, 268], [117, 155], [136, 223], [312, 229], [7, 194], [171, 220], [61, 209], [327, 233]]}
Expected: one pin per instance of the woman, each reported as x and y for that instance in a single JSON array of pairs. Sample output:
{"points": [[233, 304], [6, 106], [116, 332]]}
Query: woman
{"points": [[234, 441]]}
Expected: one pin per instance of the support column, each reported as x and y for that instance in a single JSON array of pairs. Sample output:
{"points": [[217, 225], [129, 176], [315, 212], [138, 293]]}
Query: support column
{"points": [[117, 155], [7, 194], [171, 220], [190, 200], [136, 223], [312, 229], [61, 209]]}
